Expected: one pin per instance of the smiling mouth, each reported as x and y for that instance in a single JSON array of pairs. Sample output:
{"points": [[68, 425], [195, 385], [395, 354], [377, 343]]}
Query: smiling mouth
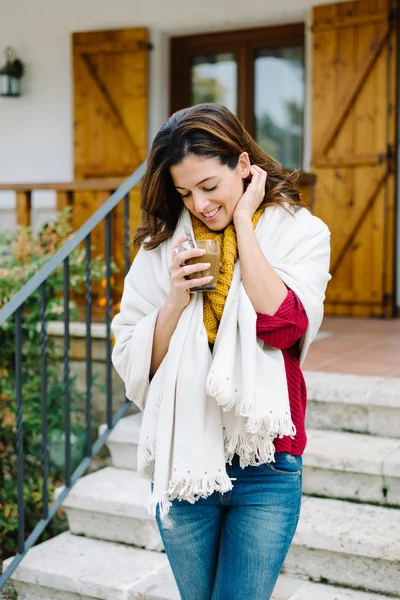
{"points": [[212, 213]]}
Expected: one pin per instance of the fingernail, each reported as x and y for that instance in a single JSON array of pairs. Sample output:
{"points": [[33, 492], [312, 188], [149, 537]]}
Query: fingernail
{"points": [[207, 265]]}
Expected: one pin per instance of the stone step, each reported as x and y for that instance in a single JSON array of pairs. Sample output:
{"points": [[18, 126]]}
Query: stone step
{"points": [[340, 402], [69, 567], [336, 464], [348, 544], [319, 591], [352, 466], [123, 441], [358, 403], [110, 505]]}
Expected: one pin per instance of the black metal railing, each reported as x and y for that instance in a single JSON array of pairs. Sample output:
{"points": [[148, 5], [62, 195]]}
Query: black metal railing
{"points": [[14, 309]]}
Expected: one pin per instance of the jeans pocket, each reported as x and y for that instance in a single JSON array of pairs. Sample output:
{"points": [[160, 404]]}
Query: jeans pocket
{"points": [[285, 464]]}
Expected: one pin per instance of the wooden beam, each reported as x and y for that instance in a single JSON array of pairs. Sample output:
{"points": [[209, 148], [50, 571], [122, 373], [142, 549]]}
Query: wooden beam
{"points": [[348, 101], [80, 185], [362, 160], [24, 207], [115, 47], [356, 21], [358, 223]]}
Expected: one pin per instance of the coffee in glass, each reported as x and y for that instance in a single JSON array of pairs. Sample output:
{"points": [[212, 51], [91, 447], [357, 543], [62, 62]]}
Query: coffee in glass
{"points": [[211, 255]]}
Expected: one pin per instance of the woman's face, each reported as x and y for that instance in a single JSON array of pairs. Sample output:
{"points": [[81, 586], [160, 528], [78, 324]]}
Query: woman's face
{"points": [[210, 190]]}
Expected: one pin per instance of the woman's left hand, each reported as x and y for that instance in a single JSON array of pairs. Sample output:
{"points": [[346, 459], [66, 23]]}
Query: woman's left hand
{"points": [[253, 196]]}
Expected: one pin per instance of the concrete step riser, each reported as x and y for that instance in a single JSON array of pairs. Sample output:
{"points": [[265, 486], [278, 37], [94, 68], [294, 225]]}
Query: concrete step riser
{"points": [[141, 533], [30, 591], [162, 587], [351, 486], [373, 420], [356, 403], [342, 569], [305, 562], [123, 456], [327, 483], [84, 571]]}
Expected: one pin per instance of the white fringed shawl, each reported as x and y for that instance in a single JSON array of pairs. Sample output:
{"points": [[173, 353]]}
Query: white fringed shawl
{"points": [[202, 408]]}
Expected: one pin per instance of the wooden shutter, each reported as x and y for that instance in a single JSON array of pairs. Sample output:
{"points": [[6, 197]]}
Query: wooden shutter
{"points": [[110, 102], [110, 80], [353, 137]]}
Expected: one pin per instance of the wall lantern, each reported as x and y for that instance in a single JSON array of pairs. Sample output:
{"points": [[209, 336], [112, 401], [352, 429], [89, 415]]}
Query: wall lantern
{"points": [[10, 74]]}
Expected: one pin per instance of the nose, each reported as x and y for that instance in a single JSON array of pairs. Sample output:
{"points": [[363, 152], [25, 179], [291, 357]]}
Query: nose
{"points": [[200, 201]]}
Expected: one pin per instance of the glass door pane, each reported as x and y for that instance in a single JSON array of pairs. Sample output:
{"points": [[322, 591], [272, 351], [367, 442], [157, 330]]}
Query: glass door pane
{"points": [[214, 79], [279, 103]]}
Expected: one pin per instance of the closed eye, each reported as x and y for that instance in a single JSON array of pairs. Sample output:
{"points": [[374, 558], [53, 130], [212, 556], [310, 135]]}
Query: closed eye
{"points": [[205, 189]]}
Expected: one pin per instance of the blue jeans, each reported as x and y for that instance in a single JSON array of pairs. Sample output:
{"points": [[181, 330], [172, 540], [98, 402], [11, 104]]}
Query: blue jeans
{"points": [[232, 546]]}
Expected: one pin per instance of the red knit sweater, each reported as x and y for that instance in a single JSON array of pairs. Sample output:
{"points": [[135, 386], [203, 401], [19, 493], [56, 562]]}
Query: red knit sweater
{"points": [[283, 330]]}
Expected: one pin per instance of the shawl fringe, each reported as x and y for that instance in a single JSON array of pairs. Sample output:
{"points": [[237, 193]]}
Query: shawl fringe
{"points": [[252, 451], [191, 490], [146, 461]]}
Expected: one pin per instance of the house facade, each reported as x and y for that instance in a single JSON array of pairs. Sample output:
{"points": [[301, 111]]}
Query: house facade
{"points": [[314, 82]]}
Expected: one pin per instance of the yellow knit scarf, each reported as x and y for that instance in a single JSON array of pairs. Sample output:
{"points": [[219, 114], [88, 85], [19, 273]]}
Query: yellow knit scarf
{"points": [[214, 302]]}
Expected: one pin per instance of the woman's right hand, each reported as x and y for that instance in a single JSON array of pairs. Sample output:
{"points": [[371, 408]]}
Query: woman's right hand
{"points": [[179, 296]]}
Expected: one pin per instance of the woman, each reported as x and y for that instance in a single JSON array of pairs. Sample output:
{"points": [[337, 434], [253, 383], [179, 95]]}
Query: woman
{"points": [[217, 375]]}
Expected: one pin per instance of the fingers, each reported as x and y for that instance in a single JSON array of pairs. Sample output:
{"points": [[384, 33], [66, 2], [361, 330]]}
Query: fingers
{"points": [[259, 177], [192, 253], [183, 283], [182, 274], [198, 282], [187, 270], [180, 257]]}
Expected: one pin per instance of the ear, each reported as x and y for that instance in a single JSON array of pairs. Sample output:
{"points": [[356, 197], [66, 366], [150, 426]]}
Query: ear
{"points": [[244, 165]]}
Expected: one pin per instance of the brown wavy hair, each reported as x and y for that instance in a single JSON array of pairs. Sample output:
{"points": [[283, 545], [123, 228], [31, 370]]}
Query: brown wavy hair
{"points": [[209, 131]]}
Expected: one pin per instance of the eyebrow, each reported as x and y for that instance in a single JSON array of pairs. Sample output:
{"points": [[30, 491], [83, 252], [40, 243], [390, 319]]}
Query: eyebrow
{"points": [[197, 184]]}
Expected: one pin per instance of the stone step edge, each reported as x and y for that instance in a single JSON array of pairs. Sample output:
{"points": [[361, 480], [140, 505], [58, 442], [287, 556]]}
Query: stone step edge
{"points": [[129, 435], [158, 584], [335, 507], [346, 388]]}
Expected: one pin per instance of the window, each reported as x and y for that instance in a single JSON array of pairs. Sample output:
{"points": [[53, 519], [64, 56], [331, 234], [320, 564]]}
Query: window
{"points": [[257, 73]]}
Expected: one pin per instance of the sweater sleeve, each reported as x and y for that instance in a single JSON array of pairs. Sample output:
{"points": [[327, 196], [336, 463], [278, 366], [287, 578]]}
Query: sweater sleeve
{"points": [[283, 329]]}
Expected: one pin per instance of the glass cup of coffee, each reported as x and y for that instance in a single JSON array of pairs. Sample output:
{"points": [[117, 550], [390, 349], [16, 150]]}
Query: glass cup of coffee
{"points": [[212, 256]]}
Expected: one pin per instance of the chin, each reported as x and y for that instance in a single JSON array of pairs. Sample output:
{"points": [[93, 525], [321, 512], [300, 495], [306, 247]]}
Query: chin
{"points": [[219, 225]]}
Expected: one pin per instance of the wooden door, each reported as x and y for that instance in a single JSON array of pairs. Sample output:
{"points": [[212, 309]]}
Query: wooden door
{"points": [[110, 80], [353, 137]]}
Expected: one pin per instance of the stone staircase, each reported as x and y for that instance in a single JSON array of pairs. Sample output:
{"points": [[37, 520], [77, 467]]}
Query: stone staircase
{"points": [[347, 545]]}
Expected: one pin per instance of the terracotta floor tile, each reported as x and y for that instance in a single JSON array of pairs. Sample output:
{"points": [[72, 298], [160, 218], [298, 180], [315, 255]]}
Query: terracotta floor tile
{"points": [[358, 368], [395, 373], [371, 356], [377, 326], [361, 346], [390, 344]]}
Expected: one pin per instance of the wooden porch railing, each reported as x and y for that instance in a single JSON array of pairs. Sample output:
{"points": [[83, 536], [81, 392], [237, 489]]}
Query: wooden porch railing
{"points": [[65, 193], [85, 197]]}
